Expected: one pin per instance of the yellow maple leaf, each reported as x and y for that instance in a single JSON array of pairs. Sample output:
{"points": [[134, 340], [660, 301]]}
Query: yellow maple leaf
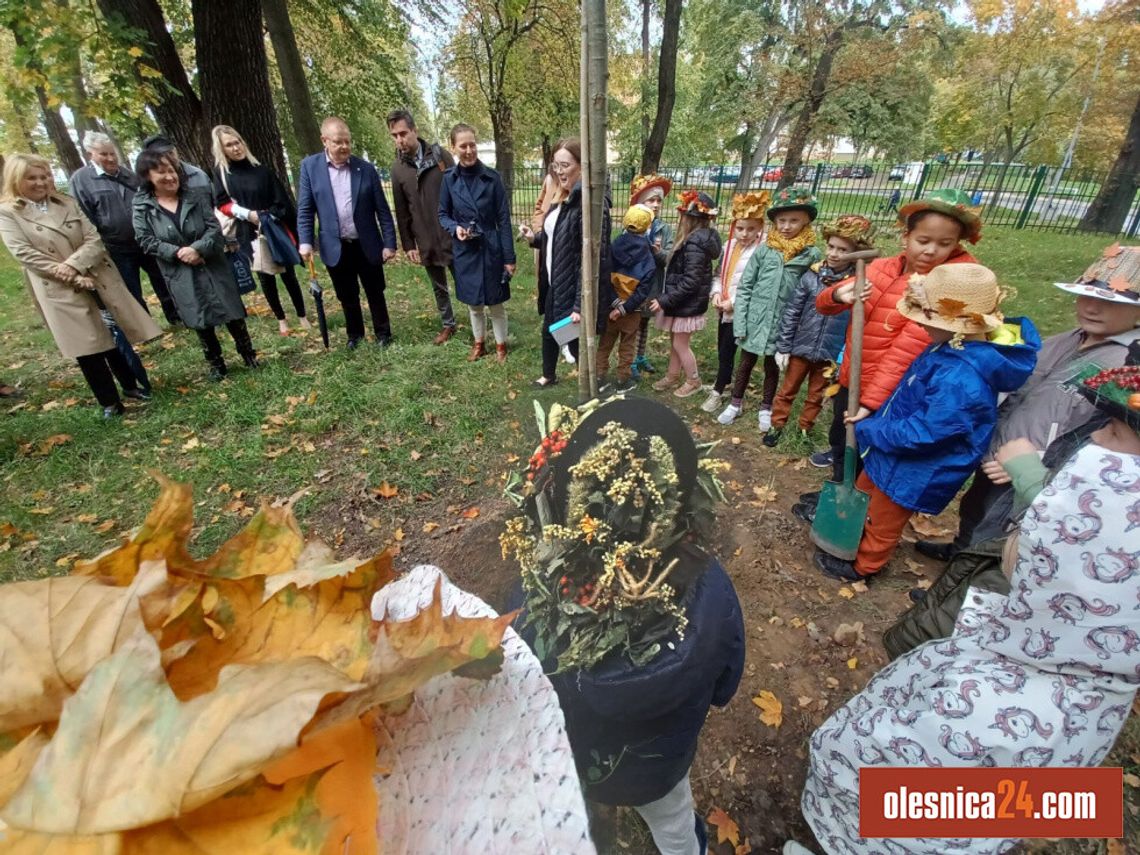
{"points": [[771, 710], [727, 831]]}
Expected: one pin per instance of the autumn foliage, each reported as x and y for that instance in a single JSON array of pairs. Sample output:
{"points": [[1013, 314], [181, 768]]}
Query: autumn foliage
{"points": [[157, 703]]}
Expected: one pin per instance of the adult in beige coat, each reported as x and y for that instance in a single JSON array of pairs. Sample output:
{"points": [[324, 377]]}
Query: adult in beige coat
{"points": [[69, 273]]}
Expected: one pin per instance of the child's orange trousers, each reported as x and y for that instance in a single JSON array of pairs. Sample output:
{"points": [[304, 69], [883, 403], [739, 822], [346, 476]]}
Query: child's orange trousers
{"points": [[883, 531]]}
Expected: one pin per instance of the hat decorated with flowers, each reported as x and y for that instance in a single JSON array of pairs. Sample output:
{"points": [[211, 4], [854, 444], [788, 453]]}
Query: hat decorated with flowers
{"points": [[751, 206], [613, 500], [950, 202], [794, 199], [638, 219], [1114, 277], [1114, 391], [697, 204], [853, 227], [961, 298], [642, 185]]}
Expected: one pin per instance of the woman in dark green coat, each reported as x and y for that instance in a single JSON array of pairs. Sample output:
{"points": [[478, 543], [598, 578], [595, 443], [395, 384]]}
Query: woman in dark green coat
{"points": [[180, 229]]}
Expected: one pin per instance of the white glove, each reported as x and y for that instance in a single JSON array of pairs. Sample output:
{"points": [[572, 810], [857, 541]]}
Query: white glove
{"points": [[782, 361]]}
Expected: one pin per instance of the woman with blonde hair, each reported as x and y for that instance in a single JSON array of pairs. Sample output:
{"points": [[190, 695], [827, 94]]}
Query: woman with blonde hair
{"points": [[71, 279], [255, 190]]}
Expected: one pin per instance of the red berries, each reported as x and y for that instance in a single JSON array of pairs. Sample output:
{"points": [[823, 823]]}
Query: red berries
{"points": [[551, 445], [1127, 377]]}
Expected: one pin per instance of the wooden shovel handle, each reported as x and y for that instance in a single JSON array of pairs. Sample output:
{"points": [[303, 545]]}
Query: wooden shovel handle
{"points": [[855, 356], [312, 268]]}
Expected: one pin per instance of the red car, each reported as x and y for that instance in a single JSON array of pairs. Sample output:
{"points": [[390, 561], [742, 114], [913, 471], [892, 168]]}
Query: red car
{"points": [[774, 174]]}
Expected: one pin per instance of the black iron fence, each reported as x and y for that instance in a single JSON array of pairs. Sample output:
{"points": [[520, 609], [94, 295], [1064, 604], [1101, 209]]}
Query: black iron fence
{"points": [[1023, 197]]}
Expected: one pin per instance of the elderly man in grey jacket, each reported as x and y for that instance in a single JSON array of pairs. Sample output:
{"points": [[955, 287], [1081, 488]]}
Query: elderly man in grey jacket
{"points": [[105, 191]]}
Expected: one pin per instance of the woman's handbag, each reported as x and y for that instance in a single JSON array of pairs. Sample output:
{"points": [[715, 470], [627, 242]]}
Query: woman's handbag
{"points": [[243, 271], [263, 261]]}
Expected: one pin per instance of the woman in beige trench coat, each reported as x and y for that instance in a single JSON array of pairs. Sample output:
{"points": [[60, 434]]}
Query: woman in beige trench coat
{"points": [[65, 268]]}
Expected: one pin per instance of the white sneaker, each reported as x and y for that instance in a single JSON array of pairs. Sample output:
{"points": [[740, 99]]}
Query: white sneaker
{"points": [[728, 414], [764, 417], [567, 355], [712, 402], [793, 848]]}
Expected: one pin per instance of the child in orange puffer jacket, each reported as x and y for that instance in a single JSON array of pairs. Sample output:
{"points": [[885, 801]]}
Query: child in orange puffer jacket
{"points": [[933, 229]]}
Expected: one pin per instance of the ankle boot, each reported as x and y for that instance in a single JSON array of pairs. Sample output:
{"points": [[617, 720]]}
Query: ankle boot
{"points": [[244, 344], [217, 368], [477, 350], [500, 353]]}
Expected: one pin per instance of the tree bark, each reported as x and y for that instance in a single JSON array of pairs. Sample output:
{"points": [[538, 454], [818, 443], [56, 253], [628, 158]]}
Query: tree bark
{"points": [[65, 149], [666, 87], [305, 126], [646, 18], [805, 121], [234, 73], [503, 130], [177, 107], [1109, 209]]}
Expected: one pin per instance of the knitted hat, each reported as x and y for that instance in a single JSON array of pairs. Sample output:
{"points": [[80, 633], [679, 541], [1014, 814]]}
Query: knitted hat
{"points": [[750, 206], [1115, 392], [853, 227], [697, 204], [961, 298], [642, 184], [952, 203], [158, 142], [638, 219], [1114, 277], [794, 199]]}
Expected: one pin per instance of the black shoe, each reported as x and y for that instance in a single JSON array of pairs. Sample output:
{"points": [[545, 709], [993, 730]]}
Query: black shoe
{"points": [[384, 343], [917, 595], [811, 498], [935, 550], [218, 370], [822, 459], [113, 411], [354, 343], [772, 438], [250, 360], [702, 834], [836, 568], [626, 385], [804, 512], [138, 394]]}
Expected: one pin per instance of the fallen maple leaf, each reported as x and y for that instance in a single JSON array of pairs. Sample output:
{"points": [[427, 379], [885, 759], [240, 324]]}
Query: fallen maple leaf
{"points": [[727, 831], [429, 527], [45, 446], [771, 710], [926, 528], [385, 490], [846, 593], [470, 513], [191, 444]]}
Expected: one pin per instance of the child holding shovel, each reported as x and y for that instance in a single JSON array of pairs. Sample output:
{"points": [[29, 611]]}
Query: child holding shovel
{"points": [[930, 435]]}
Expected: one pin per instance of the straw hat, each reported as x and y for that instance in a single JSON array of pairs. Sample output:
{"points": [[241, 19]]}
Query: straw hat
{"points": [[1114, 277], [961, 298], [642, 184], [952, 203], [638, 219], [853, 227], [794, 199], [751, 206], [697, 204]]}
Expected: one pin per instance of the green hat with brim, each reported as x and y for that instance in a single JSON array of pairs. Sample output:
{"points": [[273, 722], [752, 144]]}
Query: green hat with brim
{"points": [[949, 202], [793, 199]]}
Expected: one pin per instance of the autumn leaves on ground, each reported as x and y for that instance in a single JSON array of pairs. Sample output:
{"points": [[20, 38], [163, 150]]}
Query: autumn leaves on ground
{"points": [[407, 448]]}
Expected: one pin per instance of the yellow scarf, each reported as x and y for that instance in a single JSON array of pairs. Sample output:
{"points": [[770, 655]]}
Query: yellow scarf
{"points": [[791, 247]]}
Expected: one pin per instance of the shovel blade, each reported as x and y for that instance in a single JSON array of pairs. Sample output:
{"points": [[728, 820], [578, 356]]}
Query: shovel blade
{"points": [[839, 518]]}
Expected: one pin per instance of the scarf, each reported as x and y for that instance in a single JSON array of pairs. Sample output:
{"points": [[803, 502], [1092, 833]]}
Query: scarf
{"points": [[791, 247], [729, 267]]}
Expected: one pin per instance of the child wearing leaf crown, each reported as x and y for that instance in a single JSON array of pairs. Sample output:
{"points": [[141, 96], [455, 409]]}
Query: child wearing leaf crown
{"points": [[767, 283], [927, 439], [743, 240], [651, 190]]}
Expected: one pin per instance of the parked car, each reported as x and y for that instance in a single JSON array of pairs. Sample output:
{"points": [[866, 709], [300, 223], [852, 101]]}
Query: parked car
{"points": [[841, 172], [862, 172], [774, 174], [806, 173], [897, 173], [721, 175]]}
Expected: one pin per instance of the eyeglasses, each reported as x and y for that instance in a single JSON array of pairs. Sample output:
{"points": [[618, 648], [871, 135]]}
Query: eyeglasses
{"points": [[561, 167]]}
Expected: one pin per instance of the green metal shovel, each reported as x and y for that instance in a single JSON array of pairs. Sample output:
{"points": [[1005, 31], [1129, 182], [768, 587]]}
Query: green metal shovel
{"points": [[842, 510]]}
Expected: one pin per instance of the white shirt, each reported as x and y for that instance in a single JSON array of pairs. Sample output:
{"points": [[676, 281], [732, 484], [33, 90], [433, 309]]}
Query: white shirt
{"points": [[548, 227]]}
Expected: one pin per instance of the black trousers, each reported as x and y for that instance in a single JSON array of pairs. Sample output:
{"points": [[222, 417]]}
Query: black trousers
{"points": [[212, 348], [437, 275], [725, 354], [269, 288], [100, 370], [354, 272], [550, 351]]}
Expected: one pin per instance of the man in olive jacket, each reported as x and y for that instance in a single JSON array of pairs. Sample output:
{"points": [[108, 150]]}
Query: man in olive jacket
{"points": [[417, 173]]}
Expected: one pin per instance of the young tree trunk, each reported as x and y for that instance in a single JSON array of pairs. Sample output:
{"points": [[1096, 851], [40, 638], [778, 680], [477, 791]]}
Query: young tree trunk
{"points": [[177, 107], [503, 130], [748, 152], [1109, 209], [666, 87], [234, 74], [805, 121], [305, 126]]}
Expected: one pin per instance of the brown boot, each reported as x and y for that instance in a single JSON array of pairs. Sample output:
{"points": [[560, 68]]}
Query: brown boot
{"points": [[477, 350], [444, 335], [500, 353]]}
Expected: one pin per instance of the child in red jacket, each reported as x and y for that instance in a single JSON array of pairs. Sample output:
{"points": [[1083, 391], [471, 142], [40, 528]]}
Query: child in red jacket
{"points": [[934, 228]]}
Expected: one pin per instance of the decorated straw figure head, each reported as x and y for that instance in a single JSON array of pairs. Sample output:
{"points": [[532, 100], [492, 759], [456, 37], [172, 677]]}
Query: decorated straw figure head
{"points": [[615, 504], [949, 202], [1114, 277], [961, 298]]}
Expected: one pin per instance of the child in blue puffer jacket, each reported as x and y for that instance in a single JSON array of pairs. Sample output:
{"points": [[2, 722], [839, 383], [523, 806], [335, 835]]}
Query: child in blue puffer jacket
{"points": [[919, 448]]}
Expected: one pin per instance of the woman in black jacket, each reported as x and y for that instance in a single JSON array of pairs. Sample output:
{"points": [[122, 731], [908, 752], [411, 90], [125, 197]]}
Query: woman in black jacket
{"points": [[560, 255], [684, 297], [254, 189]]}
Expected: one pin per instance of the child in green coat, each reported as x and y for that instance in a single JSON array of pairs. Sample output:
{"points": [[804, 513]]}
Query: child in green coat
{"points": [[768, 281]]}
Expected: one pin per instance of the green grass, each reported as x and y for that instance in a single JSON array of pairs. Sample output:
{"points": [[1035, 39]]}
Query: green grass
{"points": [[337, 424]]}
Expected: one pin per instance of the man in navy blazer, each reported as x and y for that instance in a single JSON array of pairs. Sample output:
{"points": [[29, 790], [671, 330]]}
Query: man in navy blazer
{"points": [[356, 233]]}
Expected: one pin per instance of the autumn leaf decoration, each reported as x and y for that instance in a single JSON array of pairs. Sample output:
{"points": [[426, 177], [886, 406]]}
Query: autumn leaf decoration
{"points": [[158, 704], [950, 309]]}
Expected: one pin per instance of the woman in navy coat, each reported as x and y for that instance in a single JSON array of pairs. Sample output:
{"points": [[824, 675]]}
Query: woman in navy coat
{"points": [[473, 209]]}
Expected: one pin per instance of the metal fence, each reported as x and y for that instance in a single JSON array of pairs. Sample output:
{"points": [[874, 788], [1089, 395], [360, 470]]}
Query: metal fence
{"points": [[1023, 197]]}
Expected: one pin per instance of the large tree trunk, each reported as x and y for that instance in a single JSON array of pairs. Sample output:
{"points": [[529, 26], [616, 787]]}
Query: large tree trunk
{"points": [[666, 87], [1112, 204], [177, 108], [305, 126], [234, 74], [503, 130], [646, 18], [805, 122]]}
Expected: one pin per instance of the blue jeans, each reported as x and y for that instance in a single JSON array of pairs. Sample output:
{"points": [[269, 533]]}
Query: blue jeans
{"points": [[130, 266]]}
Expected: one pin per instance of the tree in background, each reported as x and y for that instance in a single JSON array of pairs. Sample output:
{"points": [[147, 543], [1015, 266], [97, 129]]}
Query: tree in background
{"points": [[666, 87], [290, 66], [1112, 204]]}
